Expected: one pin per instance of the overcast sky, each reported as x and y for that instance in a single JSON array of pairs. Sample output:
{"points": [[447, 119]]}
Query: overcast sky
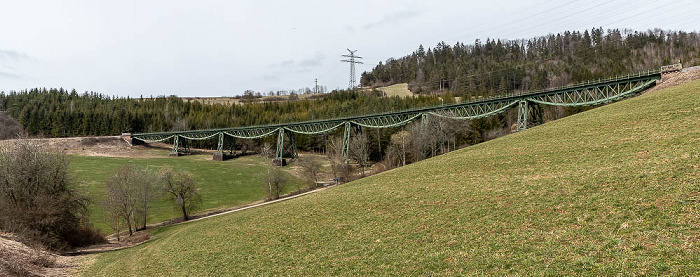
{"points": [[221, 48]]}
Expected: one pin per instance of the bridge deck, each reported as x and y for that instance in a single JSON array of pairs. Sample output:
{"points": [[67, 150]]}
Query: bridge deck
{"points": [[511, 98]]}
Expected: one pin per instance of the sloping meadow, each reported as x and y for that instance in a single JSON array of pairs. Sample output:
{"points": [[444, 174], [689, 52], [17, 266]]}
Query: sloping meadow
{"points": [[614, 190]]}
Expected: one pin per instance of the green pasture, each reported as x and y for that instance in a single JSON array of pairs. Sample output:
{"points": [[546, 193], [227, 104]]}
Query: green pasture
{"points": [[221, 184], [611, 191]]}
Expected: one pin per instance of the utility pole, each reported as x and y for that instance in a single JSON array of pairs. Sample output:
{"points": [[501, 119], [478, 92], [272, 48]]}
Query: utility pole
{"points": [[352, 62], [316, 87]]}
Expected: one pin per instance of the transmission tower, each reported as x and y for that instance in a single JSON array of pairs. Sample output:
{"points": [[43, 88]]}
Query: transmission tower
{"points": [[352, 62]]}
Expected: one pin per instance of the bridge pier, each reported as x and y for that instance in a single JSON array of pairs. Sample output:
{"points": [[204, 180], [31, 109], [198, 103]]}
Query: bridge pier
{"points": [[346, 141], [522, 115], [528, 114], [177, 144], [281, 151]]}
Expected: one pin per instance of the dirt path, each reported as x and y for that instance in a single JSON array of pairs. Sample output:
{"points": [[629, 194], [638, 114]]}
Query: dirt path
{"points": [[677, 78]]}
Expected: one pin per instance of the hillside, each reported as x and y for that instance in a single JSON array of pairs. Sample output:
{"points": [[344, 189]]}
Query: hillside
{"points": [[613, 190], [498, 66]]}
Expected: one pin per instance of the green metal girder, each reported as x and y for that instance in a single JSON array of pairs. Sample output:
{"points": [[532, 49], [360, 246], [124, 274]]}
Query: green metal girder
{"points": [[280, 144], [588, 93], [346, 141], [523, 113], [220, 146], [590, 96]]}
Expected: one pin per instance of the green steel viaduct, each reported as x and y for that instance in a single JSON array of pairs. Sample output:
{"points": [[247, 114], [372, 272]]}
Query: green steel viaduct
{"points": [[583, 94]]}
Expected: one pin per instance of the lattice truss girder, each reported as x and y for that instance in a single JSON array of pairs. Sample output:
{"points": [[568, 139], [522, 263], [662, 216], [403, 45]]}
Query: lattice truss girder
{"points": [[386, 121], [314, 128], [592, 95], [475, 111], [588, 94]]}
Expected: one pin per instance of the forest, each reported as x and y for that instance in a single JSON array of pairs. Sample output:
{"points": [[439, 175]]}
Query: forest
{"points": [[501, 66]]}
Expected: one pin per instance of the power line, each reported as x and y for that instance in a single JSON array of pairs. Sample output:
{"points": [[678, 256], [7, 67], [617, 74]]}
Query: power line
{"points": [[353, 83]]}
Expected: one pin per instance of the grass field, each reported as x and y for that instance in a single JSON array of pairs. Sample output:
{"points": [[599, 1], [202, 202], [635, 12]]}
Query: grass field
{"points": [[222, 184], [397, 90], [611, 191]]}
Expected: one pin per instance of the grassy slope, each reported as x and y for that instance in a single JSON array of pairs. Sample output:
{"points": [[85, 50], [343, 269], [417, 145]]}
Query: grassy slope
{"points": [[222, 184], [397, 90], [612, 190]]}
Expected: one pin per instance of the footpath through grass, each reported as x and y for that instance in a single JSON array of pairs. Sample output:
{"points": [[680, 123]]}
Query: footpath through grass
{"points": [[611, 191], [222, 184]]}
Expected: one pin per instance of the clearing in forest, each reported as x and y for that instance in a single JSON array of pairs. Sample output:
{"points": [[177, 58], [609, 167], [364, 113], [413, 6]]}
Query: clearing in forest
{"points": [[400, 90]]}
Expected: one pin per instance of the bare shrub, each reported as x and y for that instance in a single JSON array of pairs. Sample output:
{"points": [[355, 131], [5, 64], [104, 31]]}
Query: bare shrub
{"points": [[273, 181], [9, 127], [38, 199], [310, 168]]}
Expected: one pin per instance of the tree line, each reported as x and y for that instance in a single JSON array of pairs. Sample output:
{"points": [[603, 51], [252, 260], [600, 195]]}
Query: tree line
{"points": [[61, 113], [503, 66]]}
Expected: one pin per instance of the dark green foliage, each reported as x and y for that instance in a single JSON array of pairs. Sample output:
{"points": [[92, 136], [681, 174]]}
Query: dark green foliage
{"points": [[497, 67], [60, 113]]}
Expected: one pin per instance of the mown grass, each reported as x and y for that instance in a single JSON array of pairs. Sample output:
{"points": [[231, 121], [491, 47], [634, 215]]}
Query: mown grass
{"points": [[611, 191], [221, 184]]}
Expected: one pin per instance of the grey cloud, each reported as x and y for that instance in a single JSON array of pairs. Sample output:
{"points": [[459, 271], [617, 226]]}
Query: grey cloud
{"points": [[5, 75], [270, 78], [396, 16], [286, 63], [312, 62], [302, 66], [12, 55]]}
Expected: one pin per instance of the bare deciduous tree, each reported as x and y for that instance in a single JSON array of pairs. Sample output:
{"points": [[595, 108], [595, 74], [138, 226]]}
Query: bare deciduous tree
{"points": [[359, 151], [400, 143], [273, 179], [181, 188], [310, 168], [121, 198], [146, 192], [128, 197], [341, 169]]}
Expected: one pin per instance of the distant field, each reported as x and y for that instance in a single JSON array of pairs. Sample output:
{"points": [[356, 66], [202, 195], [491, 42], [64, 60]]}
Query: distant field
{"points": [[231, 100], [222, 184], [610, 191], [397, 90]]}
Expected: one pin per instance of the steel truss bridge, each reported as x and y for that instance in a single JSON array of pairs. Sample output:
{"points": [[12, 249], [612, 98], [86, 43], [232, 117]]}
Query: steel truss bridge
{"points": [[528, 104]]}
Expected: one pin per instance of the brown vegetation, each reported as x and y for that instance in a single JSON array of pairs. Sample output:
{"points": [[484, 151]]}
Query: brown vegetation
{"points": [[9, 127], [38, 200]]}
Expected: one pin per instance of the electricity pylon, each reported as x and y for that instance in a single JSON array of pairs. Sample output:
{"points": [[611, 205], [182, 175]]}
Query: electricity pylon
{"points": [[352, 61]]}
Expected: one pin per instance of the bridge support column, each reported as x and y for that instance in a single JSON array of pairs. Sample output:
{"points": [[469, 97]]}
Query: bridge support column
{"points": [[528, 114], [522, 115], [346, 141], [279, 154], [176, 146], [219, 155]]}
